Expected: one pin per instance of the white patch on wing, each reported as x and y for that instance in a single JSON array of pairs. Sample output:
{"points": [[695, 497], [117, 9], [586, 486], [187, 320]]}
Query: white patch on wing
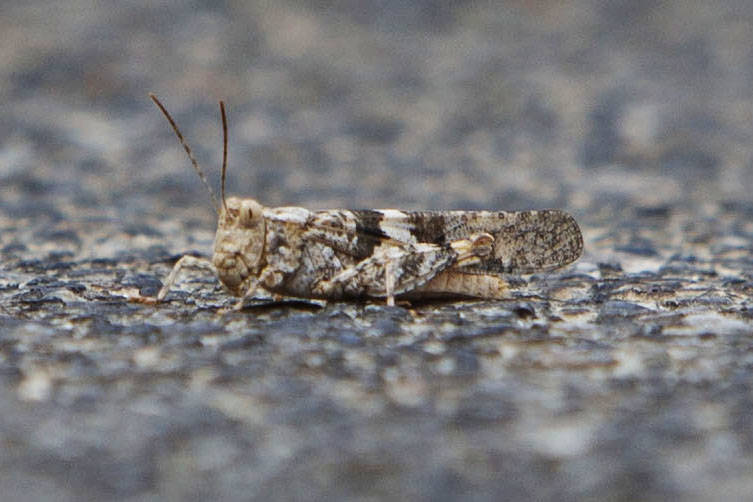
{"points": [[395, 225]]}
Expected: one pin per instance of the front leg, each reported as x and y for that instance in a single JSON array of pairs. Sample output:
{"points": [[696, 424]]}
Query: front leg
{"points": [[185, 261], [253, 286]]}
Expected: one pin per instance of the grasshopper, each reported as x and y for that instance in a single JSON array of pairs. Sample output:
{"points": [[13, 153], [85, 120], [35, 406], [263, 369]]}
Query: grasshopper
{"points": [[374, 253]]}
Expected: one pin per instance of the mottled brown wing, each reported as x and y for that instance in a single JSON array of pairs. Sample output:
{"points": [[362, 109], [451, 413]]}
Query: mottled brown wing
{"points": [[524, 241], [355, 233]]}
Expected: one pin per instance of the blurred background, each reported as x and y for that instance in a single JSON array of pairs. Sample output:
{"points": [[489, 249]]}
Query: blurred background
{"points": [[589, 105]]}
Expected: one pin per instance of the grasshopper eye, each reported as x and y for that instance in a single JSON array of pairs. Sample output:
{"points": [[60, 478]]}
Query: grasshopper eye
{"points": [[250, 213]]}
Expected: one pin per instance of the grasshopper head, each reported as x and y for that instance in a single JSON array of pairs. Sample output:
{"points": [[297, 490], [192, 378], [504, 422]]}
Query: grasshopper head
{"points": [[239, 243]]}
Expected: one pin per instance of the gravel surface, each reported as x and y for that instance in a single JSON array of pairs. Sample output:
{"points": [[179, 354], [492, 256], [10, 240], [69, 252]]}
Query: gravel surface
{"points": [[627, 376]]}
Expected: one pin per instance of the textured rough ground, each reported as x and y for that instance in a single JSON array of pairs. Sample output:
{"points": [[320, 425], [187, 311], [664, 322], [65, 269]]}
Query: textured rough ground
{"points": [[628, 375]]}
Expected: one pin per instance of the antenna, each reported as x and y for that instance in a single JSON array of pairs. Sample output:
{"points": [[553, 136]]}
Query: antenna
{"points": [[224, 153], [190, 155]]}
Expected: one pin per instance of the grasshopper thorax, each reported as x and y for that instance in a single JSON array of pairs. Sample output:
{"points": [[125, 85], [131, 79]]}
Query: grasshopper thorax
{"points": [[239, 243]]}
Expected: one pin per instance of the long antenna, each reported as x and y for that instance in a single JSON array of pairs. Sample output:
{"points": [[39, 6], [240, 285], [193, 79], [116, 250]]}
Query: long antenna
{"points": [[190, 155], [224, 153]]}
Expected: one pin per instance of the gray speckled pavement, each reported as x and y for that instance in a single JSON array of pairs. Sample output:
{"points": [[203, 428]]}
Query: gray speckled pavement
{"points": [[627, 376]]}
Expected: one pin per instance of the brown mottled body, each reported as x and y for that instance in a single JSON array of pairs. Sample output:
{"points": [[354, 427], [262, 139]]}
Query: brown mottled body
{"points": [[342, 254]]}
